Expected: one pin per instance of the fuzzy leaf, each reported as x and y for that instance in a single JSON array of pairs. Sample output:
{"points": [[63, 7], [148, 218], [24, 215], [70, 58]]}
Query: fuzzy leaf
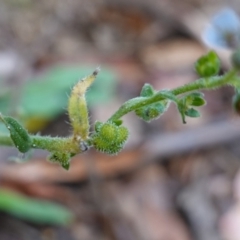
{"points": [[195, 99], [18, 133], [191, 112], [147, 90]]}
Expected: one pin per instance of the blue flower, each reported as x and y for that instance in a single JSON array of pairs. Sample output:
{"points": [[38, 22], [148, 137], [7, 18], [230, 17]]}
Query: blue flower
{"points": [[224, 30]]}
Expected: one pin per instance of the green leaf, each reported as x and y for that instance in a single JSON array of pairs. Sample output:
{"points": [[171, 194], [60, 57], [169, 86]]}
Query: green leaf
{"points": [[197, 102], [33, 210], [191, 112], [62, 158], [118, 122], [195, 99], [66, 165], [46, 95], [18, 133], [147, 90], [208, 65]]}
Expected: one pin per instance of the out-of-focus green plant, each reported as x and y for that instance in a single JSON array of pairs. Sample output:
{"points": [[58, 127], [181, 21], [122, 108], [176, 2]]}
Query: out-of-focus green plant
{"points": [[33, 210], [43, 98], [110, 136]]}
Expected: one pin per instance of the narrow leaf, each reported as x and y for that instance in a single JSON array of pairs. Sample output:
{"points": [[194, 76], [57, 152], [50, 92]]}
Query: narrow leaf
{"points": [[36, 211], [18, 133], [191, 112]]}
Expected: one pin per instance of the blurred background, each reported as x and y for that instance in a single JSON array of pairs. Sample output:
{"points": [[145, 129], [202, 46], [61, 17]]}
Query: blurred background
{"points": [[172, 181]]}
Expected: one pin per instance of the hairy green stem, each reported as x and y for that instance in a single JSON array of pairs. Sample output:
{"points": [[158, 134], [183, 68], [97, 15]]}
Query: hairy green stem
{"points": [[52, 144], [57, 144], [200, 84]]}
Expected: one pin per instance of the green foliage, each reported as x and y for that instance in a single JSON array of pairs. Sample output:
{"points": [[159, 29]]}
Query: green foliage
{"points": [[186, 102], [153, 111], [110, 137], [55, 84], [147, 90], [18, 133], [195, 99], [44, 97], [36, 211], [208, 65], [191, 112], [61, 157]]}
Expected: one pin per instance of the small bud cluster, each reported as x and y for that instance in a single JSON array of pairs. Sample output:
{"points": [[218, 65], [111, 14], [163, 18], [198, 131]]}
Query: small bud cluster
{"points": [[187, 102], [152, 111], [208, 65]]}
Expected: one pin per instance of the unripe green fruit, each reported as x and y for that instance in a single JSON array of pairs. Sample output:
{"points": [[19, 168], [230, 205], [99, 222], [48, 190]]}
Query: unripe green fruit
{"points": [[108, 132], [109, 138], [122, 135]]}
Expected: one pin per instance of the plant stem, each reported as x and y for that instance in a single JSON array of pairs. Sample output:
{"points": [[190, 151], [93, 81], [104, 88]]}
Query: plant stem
{"points": [[52, 144], [200, 84], [72, 145], [55, 144]]}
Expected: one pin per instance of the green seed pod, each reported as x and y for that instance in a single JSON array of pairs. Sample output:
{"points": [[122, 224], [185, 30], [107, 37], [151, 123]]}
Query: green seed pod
{"points": [[152, 111], [122, 135], [235, 59], [108, 132], [109, 138], [77, 107], [18, 133], [208, 65]]}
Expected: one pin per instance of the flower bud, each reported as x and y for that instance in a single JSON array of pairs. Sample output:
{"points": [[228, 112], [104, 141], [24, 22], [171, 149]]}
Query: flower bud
{"points": [[208, 65], [153, 111], [147, 90]]}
